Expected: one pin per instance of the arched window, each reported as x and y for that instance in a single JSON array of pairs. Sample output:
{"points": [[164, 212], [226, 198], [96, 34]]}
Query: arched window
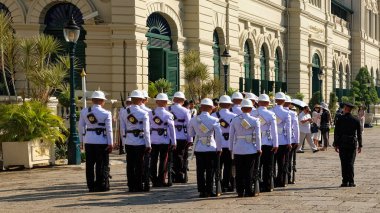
{"points": [[316, 70], [348, 77], [340, 76], [334, 75], [263, 63], [247, 60], [56, 18], [163, 61], [216, 57], [277, 66]]}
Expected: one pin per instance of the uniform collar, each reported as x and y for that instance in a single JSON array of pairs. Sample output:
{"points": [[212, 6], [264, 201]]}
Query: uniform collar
{"points": [[279, 106], [287, 108], [160, 108], [96, 106], [223, 110], [134, 106], [261, 108], [205, 113]]}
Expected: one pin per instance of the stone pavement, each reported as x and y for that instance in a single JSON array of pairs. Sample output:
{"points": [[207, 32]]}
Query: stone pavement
{"points": [[63, 189]]}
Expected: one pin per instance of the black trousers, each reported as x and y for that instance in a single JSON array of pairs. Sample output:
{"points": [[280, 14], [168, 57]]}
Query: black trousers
{"points": [[245, 172], [282, 158], [159, 151], [226, 165], [97, 156], [325, 136], [347, 160], [292, 163], [135, 165], [179, 161], [267, 164], [205, 162]]}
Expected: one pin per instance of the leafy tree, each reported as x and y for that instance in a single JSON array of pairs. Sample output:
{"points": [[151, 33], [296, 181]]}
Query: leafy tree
{"points": [[231, 91], [332, 103], [314, 99], [363, 89], [161, 85], [198, 81], [299, 96], [6, 32]]}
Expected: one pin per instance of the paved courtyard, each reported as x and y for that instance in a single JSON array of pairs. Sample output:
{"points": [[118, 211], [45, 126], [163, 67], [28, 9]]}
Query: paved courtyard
{"points": [[63, 189]]}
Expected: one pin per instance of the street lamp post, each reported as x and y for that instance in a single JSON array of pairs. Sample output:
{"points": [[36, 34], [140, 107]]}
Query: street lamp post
{"points": [[226, 57], [320, 78], [71, 32]]}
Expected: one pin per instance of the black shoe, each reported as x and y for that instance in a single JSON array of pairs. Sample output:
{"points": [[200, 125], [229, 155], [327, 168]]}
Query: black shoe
{"points": [[202, 195], [91, 190], [300, 151], [344, 185], [317, 150], [240, 195], [212, 194], [249, 194], [230, 189], [351, 185]]}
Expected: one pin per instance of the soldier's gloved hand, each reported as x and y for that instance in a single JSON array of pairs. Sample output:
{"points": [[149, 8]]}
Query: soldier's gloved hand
{"points": [[289, 147], [109, 148], [148, 149], [274, 150], [336, 149], [174, 147], [359, 149], [259, 152], [219, 153]]}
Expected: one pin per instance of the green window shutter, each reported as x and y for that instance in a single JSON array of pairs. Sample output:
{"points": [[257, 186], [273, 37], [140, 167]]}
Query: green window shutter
{"points": [[256, 86], [278, 86], [172, 69], [264, 86], [284, 87], [270, 86], [315, 80], [156, 69], [248, 84], [241, 82]]}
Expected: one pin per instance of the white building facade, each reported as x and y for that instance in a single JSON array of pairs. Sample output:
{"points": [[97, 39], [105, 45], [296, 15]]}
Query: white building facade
{"points": [[290, 45]]}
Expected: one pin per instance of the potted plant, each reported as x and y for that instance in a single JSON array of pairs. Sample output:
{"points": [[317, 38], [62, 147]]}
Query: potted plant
{"points": [[28, 133]]}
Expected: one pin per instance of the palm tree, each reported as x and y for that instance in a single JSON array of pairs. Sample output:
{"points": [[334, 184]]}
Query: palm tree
{"points": [[6, 31]]}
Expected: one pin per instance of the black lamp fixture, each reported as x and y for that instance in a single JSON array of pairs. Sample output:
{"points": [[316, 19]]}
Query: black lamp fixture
{"points": [[71, 33], [226, 58]]}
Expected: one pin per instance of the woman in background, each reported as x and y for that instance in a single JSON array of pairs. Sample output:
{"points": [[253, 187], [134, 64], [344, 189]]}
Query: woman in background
{"points": [[316, 116], [361, 115]]}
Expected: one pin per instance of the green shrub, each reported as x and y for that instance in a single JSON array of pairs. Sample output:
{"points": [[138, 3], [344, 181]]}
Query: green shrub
{"points": [[299, 96], [29, 121], [315, 99]]}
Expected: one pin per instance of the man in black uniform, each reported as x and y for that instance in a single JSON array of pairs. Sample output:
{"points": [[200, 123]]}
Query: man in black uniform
{"points": [[347, 139]]}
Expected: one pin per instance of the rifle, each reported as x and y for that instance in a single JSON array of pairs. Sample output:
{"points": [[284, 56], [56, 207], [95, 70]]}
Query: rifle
{"points": [[217, 176], [294, 170], [146, 174], [170, 165], [121, 148]]}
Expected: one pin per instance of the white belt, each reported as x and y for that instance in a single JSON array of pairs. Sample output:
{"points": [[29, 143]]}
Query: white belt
{"points": [[205, 140], [247, 138]]}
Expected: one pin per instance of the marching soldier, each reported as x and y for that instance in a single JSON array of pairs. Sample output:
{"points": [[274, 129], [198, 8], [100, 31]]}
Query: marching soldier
{"points": [[284, 139], [253, 98], [225, 116], [95, 129], [295, 133], [134, 126], [182, 117], [162, 137], [245, 145], [208, 137], [347, 139], [269, 141], [237, 98], [145, 100]]}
